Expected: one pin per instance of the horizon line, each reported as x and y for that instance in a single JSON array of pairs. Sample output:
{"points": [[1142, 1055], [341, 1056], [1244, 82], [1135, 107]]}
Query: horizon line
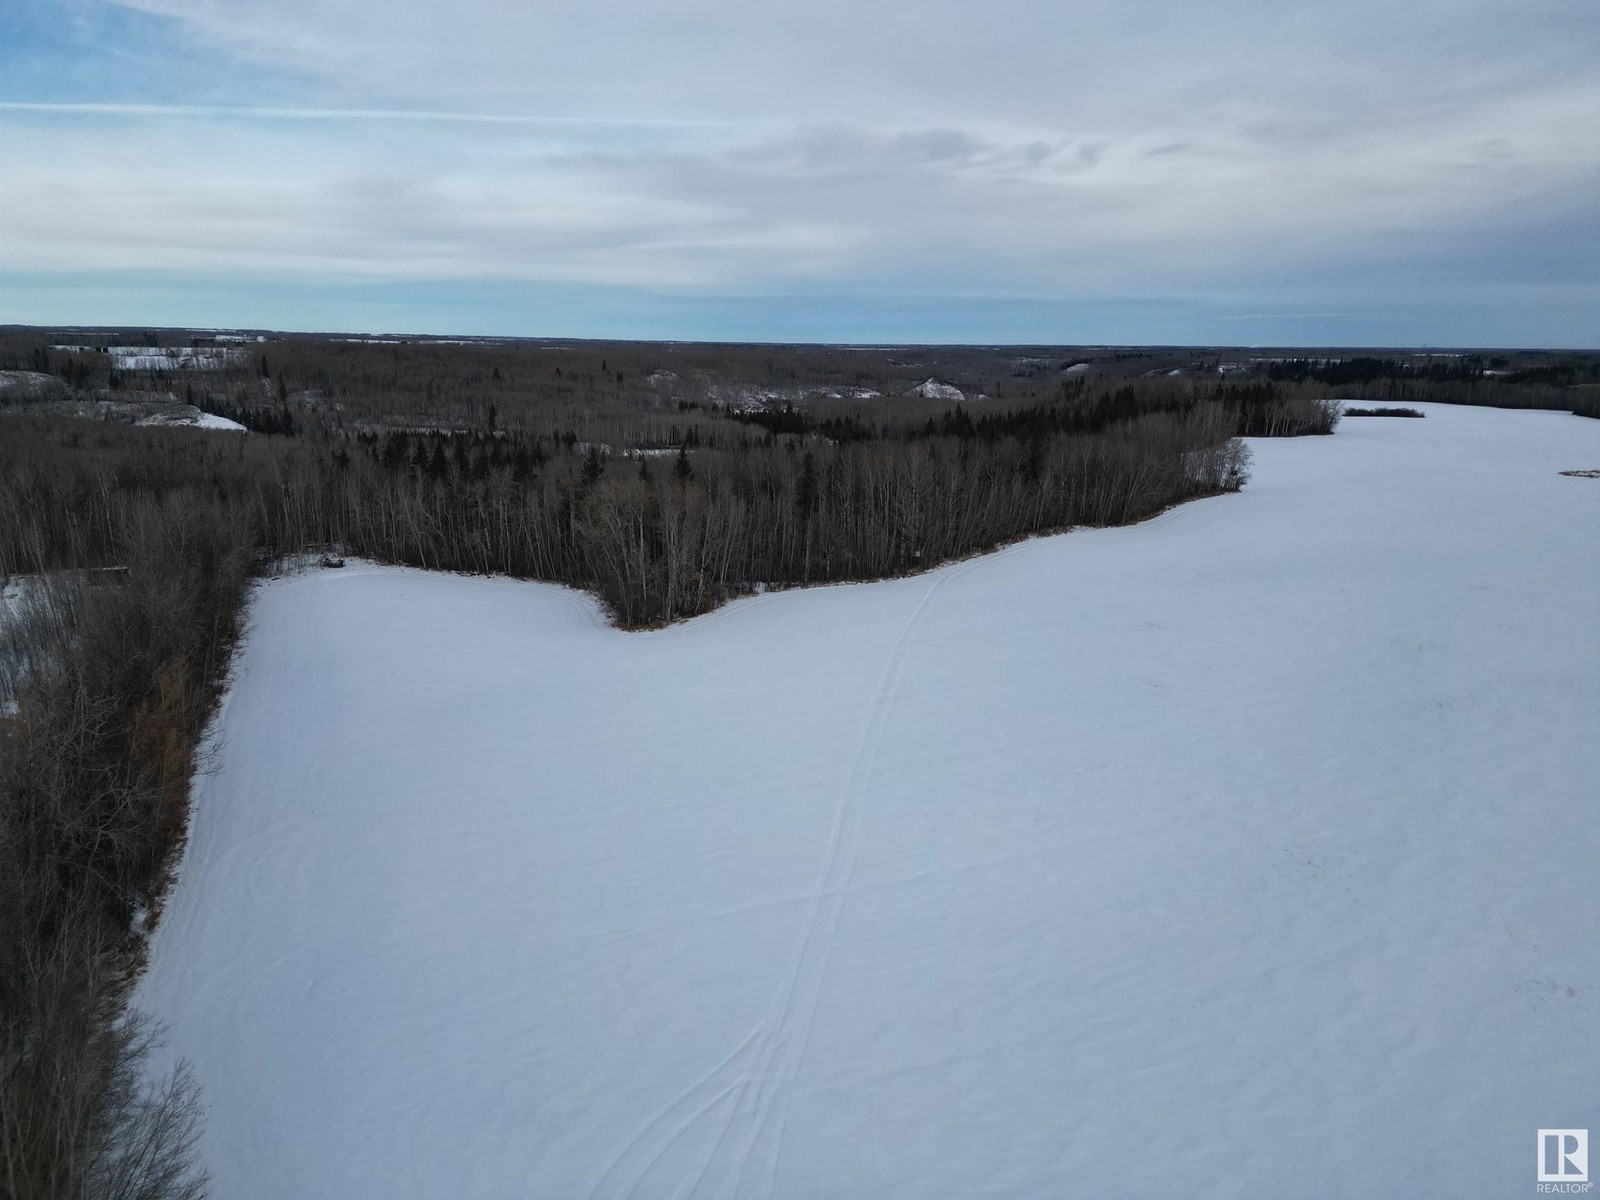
{"points": [[869, 344]]}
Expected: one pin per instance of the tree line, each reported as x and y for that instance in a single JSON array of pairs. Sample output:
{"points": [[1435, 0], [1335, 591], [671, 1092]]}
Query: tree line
{"points": [[106, 680]]}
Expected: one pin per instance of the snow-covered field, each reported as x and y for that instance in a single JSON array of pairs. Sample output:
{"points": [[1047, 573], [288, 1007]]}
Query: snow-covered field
{"points": [[1247, 852]]}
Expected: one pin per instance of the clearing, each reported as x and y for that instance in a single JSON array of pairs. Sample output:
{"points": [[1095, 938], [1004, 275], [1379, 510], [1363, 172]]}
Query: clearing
{"points": [[1247, 851]]}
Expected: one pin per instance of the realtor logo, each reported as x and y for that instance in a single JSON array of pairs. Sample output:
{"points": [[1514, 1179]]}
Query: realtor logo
{"points": [[1564, 1156]]}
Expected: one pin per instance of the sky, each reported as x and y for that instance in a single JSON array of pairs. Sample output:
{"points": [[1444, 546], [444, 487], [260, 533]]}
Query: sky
{"points": [[1238, 172]]}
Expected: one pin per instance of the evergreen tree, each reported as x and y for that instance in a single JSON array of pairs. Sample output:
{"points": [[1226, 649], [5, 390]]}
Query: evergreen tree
{"points": [[805, 492]]}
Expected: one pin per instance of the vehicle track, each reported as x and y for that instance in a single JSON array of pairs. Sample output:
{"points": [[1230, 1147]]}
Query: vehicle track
{"points": [[836, 894], [746, 1096], [750, 1084]]}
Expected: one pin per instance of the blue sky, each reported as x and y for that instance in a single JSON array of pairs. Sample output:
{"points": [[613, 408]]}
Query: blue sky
{"points": [[1022, 170]]}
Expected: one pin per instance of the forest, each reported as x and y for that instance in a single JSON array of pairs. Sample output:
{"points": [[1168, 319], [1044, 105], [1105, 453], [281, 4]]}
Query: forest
{"points": [[663, 498], [664, 479]]}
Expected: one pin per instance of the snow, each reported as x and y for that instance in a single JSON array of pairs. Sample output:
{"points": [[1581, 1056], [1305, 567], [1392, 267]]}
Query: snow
{"points": [[1248, 851], [212, 421], [169, 358], [30, 383], [187, 416], [160, 358], [16, 593], [932, 389], [25, 379], [23, 599], [745, 397]]}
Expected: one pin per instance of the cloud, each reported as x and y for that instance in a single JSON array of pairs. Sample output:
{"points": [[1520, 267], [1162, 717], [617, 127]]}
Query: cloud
{"points": [[1269, 72], [704, 207], [1020, 150]]}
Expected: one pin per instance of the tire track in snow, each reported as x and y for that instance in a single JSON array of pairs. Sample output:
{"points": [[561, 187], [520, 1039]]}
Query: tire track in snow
{"points": [[790, 1042], [779, 1041], [800, 981], [690, 1096], [757, 1090], [748, 1108]]}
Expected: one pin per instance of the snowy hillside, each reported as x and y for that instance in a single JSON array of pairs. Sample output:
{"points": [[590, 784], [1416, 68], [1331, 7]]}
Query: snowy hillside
{"points": [[187, 414], [18, 386], [932, 389], [1246, 852], [161, 409], [168, 358]]}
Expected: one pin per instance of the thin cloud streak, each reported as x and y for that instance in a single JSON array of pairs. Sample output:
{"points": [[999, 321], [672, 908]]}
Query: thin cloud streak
{"points": [[246, 112]]}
